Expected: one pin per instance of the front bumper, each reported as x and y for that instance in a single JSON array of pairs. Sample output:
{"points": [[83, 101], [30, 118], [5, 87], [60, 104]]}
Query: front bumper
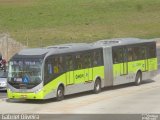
{"points": [[16, 95]]}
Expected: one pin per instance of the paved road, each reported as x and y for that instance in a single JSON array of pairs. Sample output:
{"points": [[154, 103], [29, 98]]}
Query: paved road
{"points": [[120, 99], [2, 94]]}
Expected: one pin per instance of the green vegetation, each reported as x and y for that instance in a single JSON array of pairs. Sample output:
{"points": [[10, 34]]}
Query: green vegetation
{"points": [[49, 22]]}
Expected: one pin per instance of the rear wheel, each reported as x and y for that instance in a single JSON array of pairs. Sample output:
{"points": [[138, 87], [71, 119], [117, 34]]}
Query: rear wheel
{"points": [[138, 78], [60, 93], [97, 86]]}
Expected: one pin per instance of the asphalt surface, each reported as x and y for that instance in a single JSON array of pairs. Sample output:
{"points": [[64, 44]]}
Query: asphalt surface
{"points": [[124, 99], [2, 94]]}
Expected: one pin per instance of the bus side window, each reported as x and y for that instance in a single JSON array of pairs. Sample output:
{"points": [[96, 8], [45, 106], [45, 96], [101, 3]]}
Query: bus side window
{"points": [[117, 55], [97, 58], [48, 69], [130, 54], [152, 51], [69, 62], [78, 61], [140, 53], [135, 53], [143, 53], [55, 65], [58, 65], [87, 62]]}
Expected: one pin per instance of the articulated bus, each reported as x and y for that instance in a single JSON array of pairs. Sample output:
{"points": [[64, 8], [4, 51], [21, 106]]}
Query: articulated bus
{"points": [[56, 71]]}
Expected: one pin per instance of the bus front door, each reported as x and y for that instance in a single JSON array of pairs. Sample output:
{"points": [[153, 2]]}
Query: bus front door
{"points": [[69, 70]]}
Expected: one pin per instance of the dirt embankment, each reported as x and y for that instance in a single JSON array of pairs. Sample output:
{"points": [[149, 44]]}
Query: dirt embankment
{"points": [[8, 46]]}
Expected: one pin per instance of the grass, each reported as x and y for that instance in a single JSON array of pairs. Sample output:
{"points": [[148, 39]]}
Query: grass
{"points": [[46, 22]]}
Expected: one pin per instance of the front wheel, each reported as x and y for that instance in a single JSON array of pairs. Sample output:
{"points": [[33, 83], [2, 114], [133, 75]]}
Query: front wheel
{"points": [[138, 79], [60, 93], [97, 86]]}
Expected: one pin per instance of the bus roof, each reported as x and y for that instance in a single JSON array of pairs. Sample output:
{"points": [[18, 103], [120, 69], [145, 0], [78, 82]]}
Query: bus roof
{"points": [[49, 50], [120, 41], [73, 47], [33, 51]]}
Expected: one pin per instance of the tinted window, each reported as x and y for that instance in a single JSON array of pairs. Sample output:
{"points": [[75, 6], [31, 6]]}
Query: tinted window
{"points": [[58, 66], [87, 61], [139, 53], [152, 51], [53, 67], [48, 70], [117, 55], [131, 54], [97, 58], [69, 62], [78, 61]]}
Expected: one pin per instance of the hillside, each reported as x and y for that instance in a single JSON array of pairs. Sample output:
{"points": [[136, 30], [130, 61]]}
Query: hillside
{"points": [[46, 22]]}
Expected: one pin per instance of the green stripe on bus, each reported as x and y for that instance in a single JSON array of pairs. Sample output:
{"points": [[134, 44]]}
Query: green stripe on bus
{"points": [[134, 66]]}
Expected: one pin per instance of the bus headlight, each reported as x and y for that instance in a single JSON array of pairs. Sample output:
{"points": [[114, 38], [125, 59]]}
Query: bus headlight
{"points": [[9, 90]]}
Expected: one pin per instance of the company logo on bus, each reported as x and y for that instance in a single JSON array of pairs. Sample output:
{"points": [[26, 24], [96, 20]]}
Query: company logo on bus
{"points": [[79, 76]]}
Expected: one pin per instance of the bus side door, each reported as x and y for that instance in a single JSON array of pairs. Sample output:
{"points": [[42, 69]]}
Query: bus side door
{"points": [[88, 70], [120, 64], [79, 75], [142, 55], [144, 52], [152, 60], [124, 64], [69, 70]]}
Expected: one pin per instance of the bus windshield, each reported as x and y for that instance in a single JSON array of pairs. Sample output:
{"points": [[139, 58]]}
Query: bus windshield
{"points": [[25, 73]]}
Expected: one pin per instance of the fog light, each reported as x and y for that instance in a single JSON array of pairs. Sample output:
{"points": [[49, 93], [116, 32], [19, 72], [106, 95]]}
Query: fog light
{"points": [[9, 90]]}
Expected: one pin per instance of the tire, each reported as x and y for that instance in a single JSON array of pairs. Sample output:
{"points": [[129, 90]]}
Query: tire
{"points": [[97, 86], [138, 79], [60, 93]]}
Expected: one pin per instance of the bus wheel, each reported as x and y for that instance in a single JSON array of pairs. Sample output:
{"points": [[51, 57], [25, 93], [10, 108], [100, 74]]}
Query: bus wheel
{"points": [[60, 93], [97, 86], [138, 78]]}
